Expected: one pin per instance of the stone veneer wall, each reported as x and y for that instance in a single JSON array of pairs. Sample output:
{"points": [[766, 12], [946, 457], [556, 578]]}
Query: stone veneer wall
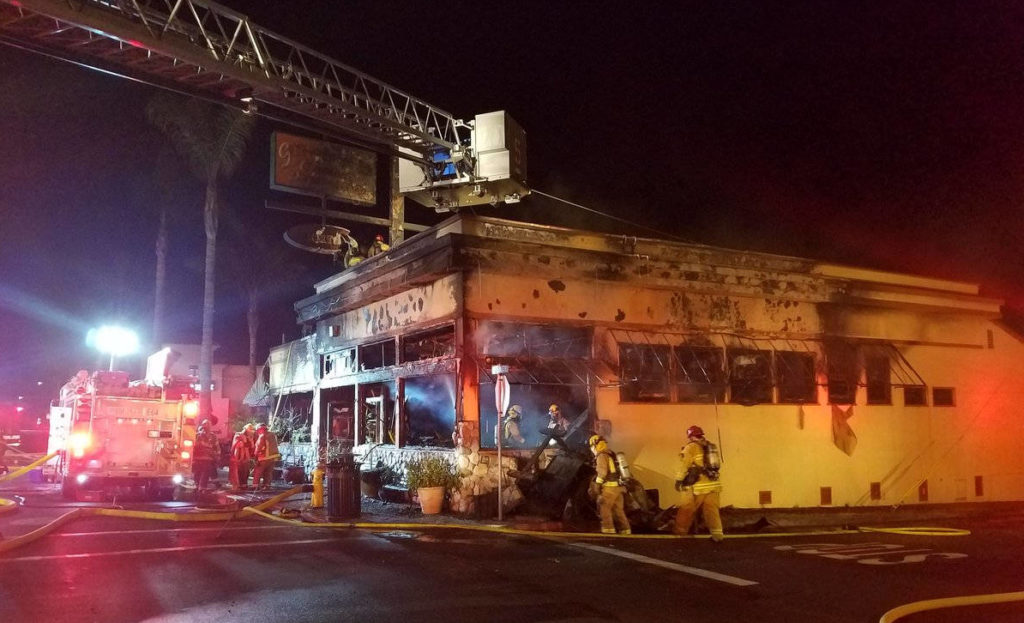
{"points": [[477, 471]]}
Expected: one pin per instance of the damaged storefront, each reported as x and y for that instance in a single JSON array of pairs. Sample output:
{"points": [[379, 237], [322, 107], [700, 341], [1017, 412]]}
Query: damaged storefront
{"points": [[822, 384]]}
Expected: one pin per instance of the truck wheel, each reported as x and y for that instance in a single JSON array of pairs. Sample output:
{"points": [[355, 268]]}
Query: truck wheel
{"points": [[68, 488]]}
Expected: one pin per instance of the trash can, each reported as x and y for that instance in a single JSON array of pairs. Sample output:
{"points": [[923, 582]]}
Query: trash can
{"points": [[343, 495]]}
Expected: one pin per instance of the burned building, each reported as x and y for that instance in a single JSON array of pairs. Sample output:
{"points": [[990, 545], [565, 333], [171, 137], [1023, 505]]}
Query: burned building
{"points": [[822, 384]]}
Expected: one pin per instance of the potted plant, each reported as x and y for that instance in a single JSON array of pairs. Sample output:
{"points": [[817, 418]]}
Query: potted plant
{"points": [[429, 476]]}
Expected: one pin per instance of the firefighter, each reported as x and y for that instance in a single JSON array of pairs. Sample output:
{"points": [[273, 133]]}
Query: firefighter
{"points": [[700, 489], [266, 455], [241, 455], [510, 428], [378, 246], [611, 499], [204, 456]]}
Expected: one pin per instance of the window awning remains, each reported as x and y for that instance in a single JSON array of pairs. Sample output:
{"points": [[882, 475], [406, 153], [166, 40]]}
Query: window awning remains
{"points": [[547, 371], [903, 373]]}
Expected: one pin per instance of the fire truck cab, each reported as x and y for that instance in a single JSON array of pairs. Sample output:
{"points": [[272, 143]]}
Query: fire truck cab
{"points": [[118, 437]]}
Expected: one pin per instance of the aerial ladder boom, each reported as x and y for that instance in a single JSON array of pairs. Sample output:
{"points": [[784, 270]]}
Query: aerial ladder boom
{"points": [[205, 49]]}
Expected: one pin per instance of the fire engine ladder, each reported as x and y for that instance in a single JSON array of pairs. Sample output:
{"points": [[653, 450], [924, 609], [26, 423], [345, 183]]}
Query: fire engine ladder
{"points": [[203, 49]]}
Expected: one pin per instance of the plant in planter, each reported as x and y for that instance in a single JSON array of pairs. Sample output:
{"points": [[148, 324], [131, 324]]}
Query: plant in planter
{"points": [[430, 476]]}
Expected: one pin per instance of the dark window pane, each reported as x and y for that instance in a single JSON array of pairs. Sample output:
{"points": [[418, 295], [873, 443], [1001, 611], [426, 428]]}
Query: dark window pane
{"points": [[914, 396], [699, 373], [509, 339], [843, 372], [879, 380], [379, 355], [750, 376], [643, 373], [942, 397], [795, 374]]}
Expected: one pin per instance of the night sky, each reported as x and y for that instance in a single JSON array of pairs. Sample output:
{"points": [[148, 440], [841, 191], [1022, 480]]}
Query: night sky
{"points": [[889, 136]]}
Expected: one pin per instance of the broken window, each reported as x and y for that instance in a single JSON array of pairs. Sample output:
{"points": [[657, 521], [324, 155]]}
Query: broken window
{"points": [[795, 376], [750, 376], [879, 380], [510, 339], [915, 396], [373, 402], [843, 372], [428, 411], [699, 373], [379, 355], [438, 342], [643, 371], [339, 363]]}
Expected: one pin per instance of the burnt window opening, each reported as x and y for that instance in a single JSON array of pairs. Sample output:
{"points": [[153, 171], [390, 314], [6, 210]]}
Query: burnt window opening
{"points": [[796, 378], [428, 411], [750, 376], [338, 363], [379, 355], [372, 406], [879, 380], [943, 397], [915, 396], [644, 372], [509, 339], [843, 372], [438, 342], [699, 373]]}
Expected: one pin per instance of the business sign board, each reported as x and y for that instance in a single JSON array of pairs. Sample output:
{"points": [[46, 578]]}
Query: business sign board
{"points": [[308, 166]]}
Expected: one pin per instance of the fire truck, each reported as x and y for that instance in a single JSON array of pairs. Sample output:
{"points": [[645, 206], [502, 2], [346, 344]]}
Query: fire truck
{"points": [[112, 436]]}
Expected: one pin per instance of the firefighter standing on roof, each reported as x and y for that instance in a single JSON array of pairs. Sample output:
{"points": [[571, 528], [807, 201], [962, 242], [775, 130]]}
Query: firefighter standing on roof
{"points": [[378, 246], [611, 495], [698, 485]]}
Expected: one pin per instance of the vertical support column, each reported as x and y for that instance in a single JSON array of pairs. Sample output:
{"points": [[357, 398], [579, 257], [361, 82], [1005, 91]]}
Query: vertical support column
{"points": [[396, 230]]}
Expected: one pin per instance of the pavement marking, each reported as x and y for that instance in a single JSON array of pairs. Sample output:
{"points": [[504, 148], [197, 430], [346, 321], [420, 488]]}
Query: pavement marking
{"points": [[704, 573], [161, 530], [161, 550]]}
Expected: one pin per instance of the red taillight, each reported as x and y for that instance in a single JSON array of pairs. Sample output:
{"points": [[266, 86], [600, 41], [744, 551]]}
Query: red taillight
{"points": [[79, 443], [185, 455], [191, 408]]}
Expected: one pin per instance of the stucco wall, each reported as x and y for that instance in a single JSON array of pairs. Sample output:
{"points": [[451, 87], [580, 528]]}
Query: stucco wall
{"points": [[788, 449]]}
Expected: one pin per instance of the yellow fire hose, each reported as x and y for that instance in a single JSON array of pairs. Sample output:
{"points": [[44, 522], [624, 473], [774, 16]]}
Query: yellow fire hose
{"points": [[949, 602], [259, 510], [24, 470]]}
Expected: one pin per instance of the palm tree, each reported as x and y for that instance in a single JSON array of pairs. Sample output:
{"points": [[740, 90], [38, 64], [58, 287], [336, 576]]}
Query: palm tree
{"points": [[259, 270], [166, 177], [212, 139]]}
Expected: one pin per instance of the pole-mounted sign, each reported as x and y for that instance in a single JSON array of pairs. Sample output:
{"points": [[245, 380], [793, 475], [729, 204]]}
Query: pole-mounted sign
{"points": [[502, 391]]}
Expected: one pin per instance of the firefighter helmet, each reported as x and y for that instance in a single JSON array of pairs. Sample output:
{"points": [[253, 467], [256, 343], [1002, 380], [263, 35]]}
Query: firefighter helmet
{"points": [[554, 409], [514, 412], [695, 431], [594, 440]]}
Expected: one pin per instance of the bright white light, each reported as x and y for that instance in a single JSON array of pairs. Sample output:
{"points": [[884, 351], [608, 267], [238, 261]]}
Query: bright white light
{"points": [[81, 478], [177, 479], [115, 341]]}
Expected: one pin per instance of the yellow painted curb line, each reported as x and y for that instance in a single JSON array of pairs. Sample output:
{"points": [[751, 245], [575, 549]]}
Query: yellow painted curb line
{"points": [[949, 602], [24, 470]]}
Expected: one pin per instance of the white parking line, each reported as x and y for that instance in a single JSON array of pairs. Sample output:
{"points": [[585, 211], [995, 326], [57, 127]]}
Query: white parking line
{"points": [[161, 550], [704, 573]]}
